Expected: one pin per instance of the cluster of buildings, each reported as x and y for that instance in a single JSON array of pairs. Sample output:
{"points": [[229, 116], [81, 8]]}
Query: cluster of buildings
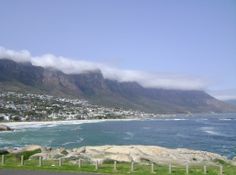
{"points": [[16, 106]]}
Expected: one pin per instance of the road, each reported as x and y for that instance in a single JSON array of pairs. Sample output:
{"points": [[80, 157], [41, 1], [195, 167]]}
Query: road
{"points": [[26, 172]]}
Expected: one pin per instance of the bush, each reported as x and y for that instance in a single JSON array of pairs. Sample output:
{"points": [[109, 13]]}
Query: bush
{"points": [[222, 162], [3, 152], [27, 154]]}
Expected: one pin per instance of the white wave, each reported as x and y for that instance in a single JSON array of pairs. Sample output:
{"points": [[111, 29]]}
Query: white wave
{"points": [[26, 125], [171, 119], [36, 124], [129, 134], [182, 135], [76, 128], [146, 128], [201, 119], [6, 142], [211, 131], [179, 119], [75, 142], [5, 132], [226, 119]]}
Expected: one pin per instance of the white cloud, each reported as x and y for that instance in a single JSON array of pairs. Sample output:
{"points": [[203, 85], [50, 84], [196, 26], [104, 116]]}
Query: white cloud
{"points": [[70, 66], [18, 56], [66, 65], [226, 94], [154, 80]]}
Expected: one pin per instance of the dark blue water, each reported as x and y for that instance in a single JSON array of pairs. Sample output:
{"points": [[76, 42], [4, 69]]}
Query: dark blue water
{"points": [[214, 133]]}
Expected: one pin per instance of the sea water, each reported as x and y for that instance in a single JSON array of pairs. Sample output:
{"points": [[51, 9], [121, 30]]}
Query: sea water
{"points": [[214, 133]]}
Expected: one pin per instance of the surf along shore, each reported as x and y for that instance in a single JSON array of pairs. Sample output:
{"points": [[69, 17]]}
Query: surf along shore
{"points": [[125, 153]]}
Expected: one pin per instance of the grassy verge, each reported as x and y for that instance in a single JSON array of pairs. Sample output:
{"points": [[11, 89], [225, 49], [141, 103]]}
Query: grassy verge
{"points": [[13, 162]]}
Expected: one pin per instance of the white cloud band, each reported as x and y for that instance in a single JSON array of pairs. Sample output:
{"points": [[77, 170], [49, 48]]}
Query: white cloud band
{"points": [[70, 66], [18, 56]]}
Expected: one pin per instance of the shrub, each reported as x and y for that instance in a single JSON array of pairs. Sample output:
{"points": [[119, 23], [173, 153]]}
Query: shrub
{"points": [[27, 154]]}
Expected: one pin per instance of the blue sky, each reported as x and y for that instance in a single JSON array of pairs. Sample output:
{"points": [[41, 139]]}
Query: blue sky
{"points": [[189, 38]]}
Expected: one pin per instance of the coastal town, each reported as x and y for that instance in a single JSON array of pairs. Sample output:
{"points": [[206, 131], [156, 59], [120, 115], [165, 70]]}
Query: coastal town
{"points": [[16, 106]]}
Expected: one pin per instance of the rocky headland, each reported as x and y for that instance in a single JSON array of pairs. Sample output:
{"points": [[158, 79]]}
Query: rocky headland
{"points": [[135, 153], [5, 128]]}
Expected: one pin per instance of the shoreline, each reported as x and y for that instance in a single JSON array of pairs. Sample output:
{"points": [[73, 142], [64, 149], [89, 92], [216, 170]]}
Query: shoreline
{"points": [[37, 124], [23, 125]]}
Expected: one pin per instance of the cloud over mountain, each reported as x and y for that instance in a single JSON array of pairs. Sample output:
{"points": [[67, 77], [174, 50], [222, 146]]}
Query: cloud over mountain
{"points": [[226, 94], [72, 66], [18, 56]]}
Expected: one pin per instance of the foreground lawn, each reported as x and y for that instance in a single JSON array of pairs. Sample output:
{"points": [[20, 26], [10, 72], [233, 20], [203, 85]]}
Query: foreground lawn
{"points": [[13, 162]]}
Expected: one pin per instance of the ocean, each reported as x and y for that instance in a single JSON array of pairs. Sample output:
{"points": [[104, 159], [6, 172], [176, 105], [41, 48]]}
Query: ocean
{"points": [[214, 133]]}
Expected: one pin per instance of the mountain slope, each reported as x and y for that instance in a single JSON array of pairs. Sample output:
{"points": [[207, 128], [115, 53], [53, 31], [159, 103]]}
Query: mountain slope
{"points": [[93, 87], [232, 102]]}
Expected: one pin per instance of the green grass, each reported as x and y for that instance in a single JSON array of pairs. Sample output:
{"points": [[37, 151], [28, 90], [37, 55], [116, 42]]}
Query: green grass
{"points": [[13, 162]]}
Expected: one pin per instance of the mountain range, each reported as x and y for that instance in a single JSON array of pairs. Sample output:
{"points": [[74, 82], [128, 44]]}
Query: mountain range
{"points": [[92, 86]]}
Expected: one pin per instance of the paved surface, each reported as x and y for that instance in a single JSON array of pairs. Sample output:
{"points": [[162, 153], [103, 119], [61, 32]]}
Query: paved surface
{"points": [[26, 172]]}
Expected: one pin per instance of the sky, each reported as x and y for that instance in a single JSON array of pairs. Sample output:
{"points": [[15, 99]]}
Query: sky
{"points": [[165, 43]]}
